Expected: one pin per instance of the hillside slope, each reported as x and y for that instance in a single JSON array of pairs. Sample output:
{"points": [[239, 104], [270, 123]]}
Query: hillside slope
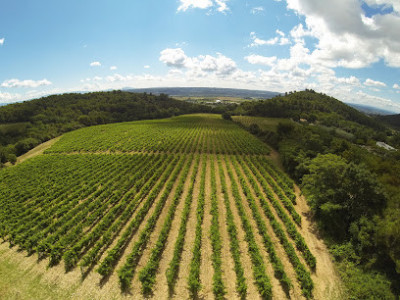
{"points": [[185, 207], [27, 124]]}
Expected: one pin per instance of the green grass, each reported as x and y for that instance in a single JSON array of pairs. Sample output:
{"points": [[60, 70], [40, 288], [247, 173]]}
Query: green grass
{"points": [[18, 283]]}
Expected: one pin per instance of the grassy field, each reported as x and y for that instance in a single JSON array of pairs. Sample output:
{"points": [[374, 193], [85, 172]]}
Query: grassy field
{"points": [[179, 208]]}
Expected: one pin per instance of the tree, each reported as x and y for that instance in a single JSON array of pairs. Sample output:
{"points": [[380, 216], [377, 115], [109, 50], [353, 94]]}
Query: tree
{"points": [[340, 193], [227, 116]]}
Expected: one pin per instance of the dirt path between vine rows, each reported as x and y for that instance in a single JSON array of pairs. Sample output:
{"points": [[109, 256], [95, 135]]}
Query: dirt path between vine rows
{"points": [[35, 151]]}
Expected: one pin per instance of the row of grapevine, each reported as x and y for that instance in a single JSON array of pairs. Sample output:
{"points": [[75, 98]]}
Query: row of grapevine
{"points": [[148, 273], [194, 268], [303, 276], [117, 202], [261, 278], [173, 267], [241, 286], [94, 253], [126, 272], [170, 136], [290, 227], [277, 265]]}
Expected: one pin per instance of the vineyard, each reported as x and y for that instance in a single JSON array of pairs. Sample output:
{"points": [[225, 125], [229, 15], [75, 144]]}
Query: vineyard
{"points": [[177, 208]]}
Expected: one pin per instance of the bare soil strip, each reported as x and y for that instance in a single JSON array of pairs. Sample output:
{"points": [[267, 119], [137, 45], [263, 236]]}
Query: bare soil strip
{"points": [[206, 269], [326, 278], [35, 151], [181, 290], [161, 288], [228, 265]]}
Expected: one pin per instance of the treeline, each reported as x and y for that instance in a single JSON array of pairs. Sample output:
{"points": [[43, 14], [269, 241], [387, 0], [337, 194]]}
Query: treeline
{"points": [[393, 120], [352, 186], [27, 124]]}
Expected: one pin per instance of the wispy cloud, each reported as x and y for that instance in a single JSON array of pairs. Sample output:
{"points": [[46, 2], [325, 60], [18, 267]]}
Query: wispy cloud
{"points": [[2, 41], [113, 68], [95, 64], [219, 5], [370, 82], [278, 40], [257, 10], [16, 83]]}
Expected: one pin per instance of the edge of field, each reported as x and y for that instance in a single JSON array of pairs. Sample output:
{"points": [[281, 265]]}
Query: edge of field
{"points": [[38, 150]]}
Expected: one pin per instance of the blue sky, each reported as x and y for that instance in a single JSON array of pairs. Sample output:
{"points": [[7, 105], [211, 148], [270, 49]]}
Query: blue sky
{"points": [[349, 49]]}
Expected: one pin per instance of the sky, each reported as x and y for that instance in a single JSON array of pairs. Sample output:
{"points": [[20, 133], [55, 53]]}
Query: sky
{"points": [[348, 49]]}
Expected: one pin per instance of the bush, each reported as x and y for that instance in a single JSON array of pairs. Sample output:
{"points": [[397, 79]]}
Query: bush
{"points": [[25, 145], [227, 116]]}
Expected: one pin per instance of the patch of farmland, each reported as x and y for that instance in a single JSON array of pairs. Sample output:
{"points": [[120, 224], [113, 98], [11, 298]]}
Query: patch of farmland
{"points": [[203, 132], [198, 211]]}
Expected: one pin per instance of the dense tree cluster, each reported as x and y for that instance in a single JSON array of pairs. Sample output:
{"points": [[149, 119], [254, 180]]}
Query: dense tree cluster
{"points": [[352, 186]]}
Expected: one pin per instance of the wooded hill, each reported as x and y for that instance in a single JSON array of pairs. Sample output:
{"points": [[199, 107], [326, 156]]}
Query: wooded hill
{"points": [[27, 124]]}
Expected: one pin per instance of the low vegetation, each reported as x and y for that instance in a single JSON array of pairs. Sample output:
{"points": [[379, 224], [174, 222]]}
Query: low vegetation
{"points": [[98, 200]]}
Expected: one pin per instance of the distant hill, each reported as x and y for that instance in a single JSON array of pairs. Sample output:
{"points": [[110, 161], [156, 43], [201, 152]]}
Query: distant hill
{"points": [[3, 104], [393, 120], [311, 106], [206, 92], [370, 110]]}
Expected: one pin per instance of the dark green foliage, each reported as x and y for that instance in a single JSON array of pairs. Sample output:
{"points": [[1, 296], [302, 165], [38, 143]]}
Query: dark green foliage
{"points": [[361, 284], [227, 116], [341, 193], [310, 106]]}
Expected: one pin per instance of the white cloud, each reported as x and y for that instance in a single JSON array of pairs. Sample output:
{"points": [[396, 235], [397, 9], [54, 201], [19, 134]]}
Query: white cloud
{"points": [[341, 26], [220, 5], [261, 60], [2, 41], [186, 4], [16, 83], [97, 78], [370, 82], [278, 40], [146, 67], [200, 65], [396, 86], [118, 77], [257, 10], [280, 32], [173, 57], [95, 64], [113, 68]]}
